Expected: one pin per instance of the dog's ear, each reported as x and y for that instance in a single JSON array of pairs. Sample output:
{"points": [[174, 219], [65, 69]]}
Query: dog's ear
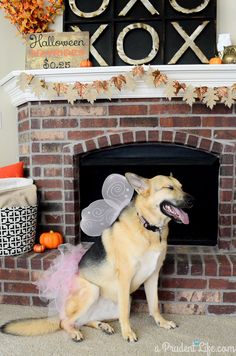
{"points": [[140, 184]]}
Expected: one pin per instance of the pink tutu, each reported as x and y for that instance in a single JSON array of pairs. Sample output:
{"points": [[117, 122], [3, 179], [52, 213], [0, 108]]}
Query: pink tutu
{"points": [[56, 283]]}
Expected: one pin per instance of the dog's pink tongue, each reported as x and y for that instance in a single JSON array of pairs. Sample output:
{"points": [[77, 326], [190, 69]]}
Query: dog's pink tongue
{"points": [[182, 216]]}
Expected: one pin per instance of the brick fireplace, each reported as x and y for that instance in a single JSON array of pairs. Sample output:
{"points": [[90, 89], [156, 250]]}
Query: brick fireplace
{"points": [[52, 137]]}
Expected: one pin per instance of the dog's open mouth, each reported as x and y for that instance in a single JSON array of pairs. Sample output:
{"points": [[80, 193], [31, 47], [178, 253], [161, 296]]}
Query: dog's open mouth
{"points": [[175, 213]]}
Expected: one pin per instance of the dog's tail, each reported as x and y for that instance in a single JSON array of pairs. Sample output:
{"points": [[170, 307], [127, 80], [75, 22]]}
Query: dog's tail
{"points": [[31, 327]]}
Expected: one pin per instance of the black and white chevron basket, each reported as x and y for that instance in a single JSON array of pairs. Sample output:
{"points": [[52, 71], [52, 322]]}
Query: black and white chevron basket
{"points": [[17, 230]]}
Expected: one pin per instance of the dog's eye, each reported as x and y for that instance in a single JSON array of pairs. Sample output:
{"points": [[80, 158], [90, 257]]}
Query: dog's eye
{"points": [[170, 187]]}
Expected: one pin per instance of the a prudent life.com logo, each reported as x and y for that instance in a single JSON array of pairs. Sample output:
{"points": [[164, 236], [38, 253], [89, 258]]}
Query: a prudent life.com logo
{"points": [[197, 346]]}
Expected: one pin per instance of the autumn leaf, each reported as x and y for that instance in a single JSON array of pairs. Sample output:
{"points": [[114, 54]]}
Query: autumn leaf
{"points": [[108, 92], [50, 91], [169, 89], [229, 99], [162, 79], [210, 98], [138, 71], [23, 81], [159, 78], [131, 84], [222, 92], [233, 87], [178, 86], [80, 88], [60, 88], [100, 86], [90, 94], [37, 86], [200, 91], [105, 85], [118, 81], [71, 94], [148, 77], [189, 95]]}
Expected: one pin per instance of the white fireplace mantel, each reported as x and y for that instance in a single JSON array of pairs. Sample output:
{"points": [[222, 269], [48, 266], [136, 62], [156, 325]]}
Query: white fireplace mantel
{"points": [[196, 75]]}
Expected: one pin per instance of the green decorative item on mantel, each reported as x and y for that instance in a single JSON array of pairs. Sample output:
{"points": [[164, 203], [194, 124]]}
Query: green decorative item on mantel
{"points": [[104, 88]]}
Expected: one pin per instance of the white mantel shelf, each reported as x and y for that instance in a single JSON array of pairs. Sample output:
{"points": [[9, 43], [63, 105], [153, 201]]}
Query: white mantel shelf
{"points": [[197, 75]]}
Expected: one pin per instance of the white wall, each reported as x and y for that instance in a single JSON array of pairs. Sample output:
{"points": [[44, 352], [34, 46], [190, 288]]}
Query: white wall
{"points": [[13, 56], [226, 12]]}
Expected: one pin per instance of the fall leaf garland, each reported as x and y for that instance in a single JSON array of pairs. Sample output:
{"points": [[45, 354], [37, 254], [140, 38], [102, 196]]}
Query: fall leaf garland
{"points": [[105, 88]]}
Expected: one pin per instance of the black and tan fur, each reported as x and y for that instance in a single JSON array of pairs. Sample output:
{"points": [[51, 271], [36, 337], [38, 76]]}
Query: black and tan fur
{"points": [[127, 255]]}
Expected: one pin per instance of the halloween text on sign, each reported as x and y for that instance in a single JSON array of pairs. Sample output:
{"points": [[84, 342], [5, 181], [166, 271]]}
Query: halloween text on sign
{"points": [[56, 50], [138, 32]]}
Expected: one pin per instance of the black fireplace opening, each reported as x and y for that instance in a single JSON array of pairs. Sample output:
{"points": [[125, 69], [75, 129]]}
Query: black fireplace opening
{"points": [[198, 171]]}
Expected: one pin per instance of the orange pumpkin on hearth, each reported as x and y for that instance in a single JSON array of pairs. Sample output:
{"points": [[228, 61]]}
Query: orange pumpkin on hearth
{"points": [[51, 239], [39, 248]]}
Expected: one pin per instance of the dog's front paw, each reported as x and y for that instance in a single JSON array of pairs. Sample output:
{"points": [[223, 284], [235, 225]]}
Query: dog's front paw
{"points": [[129, 335], [77, 336], [166, 324]]}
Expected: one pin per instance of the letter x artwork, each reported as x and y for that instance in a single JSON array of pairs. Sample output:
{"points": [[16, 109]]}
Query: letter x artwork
{"points": [[136, 32]]}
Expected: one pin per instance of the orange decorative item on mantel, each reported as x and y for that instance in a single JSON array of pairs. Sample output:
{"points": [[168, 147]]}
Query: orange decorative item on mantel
{"points": [[215, 60], [86, 63], [39, 248], [51, 239]]}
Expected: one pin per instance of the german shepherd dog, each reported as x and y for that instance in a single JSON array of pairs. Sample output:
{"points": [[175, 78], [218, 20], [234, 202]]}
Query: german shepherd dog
{"points": [[128, 254]]}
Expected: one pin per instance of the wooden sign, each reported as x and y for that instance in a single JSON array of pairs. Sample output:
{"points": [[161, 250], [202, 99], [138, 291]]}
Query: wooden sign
{"points": [[56, 50]]}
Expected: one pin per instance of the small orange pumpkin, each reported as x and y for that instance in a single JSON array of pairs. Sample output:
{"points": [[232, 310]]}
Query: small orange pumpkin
{"points": [[51, 239], [86, 63], [39, 248], [215, 60]]}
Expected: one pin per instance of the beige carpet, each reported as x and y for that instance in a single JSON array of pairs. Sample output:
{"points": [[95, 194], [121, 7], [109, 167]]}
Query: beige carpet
{"points": [[208, 331]]}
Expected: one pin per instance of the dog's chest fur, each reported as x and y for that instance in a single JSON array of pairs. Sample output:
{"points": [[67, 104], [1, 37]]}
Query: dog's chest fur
{"points": [[146, 265]]}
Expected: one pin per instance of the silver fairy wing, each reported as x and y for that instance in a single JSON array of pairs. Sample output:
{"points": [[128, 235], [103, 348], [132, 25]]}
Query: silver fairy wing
{"points": [[99, 215], [96, 217]]}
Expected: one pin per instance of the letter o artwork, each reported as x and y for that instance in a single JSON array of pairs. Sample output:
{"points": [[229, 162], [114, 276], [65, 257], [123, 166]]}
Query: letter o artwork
{"points": [[120, 43], [80, 13], [184, 10]]}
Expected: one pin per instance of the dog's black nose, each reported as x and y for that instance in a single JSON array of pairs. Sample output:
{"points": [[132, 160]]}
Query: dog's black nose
{"points": [[189, 200]]}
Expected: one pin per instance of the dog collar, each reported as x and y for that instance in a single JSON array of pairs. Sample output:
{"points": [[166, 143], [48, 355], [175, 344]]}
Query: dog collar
{"points": [[150, 227]]}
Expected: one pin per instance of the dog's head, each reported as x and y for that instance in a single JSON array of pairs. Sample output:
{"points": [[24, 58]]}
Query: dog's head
{"points": [[161, 196]]}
